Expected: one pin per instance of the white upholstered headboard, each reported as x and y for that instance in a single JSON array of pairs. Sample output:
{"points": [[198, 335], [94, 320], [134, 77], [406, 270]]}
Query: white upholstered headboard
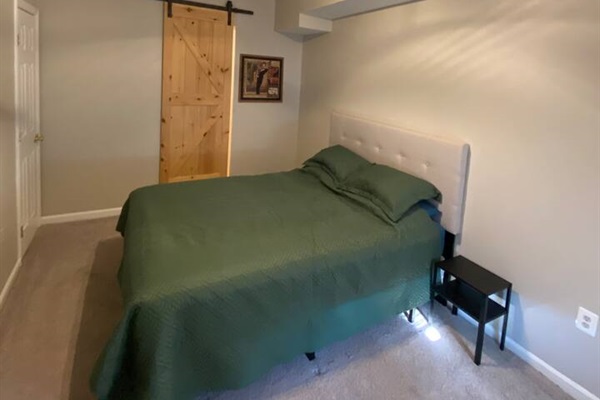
{"points": [[440, 161]]}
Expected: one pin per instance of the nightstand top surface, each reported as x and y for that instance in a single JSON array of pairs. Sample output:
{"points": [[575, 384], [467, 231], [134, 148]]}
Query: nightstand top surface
{"points": [[474, 275]]}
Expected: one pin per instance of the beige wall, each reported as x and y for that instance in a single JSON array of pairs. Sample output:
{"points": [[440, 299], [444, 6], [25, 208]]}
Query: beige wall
{"points": [[100, 101], [101, 83], [519, 81], [8, 200], [264, 135]]}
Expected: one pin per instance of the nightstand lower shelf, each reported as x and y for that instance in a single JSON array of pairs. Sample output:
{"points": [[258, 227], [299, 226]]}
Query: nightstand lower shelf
{"points": [[469, 300]]}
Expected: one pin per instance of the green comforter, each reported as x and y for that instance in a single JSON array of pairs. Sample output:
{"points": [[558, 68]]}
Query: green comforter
{"points": [[221, 278]]}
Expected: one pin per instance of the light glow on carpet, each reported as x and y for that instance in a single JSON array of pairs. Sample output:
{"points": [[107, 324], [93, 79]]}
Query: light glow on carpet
{"points": [[421, 323], [432, 334]]}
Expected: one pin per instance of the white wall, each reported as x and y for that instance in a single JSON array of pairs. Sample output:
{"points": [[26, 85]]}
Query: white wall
{"points": [[519, 80], [101, 88]]}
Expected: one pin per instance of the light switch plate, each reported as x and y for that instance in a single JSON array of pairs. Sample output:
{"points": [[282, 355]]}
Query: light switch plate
{"points": [[587, 321]]}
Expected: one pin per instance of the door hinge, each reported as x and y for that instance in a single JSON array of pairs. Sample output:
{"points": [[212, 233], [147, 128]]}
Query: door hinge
{"points": [[22, 231], [18, 39]]}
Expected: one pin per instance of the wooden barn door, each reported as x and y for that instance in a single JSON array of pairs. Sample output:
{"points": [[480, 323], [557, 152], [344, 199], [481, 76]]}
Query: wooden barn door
{"points": [[196, 99]]}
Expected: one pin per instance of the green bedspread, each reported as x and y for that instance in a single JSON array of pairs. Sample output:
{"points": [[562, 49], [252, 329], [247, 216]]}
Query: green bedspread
{"points": [[224, 279]]}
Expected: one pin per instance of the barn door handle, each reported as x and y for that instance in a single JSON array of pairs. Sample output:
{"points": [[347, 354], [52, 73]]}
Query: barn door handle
{"points": [[38, 138]]}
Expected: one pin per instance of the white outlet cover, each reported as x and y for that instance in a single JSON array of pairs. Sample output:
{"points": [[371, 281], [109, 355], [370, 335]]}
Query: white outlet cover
{"points": [[587, 321]]}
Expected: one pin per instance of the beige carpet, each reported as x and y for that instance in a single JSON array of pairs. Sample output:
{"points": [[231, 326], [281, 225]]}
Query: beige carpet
{"points": [[65, 303]]}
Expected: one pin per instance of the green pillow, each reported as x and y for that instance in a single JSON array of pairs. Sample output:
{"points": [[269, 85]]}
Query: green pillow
{"points": [[338, 161], [324, 176], [394, 192]]}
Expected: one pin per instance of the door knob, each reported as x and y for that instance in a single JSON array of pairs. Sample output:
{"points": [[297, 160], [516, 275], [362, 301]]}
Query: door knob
{"points": [[38, 138]]}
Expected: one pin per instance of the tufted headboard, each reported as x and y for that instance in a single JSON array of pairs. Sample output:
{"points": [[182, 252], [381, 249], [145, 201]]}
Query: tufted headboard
{"points": [[441, 161]]}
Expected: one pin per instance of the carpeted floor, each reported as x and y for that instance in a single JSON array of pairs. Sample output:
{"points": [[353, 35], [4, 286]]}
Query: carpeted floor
{"points": [[65, 303]]}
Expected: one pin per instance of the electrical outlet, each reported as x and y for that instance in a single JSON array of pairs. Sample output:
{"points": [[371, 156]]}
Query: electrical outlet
{"points": [[587, 321]]}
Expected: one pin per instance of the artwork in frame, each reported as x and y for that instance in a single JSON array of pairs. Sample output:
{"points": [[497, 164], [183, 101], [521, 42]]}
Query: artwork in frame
{"points": [[261, 78]]}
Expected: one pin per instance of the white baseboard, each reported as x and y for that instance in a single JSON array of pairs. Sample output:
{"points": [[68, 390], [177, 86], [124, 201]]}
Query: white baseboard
{"points": [[81, 216], [9, 282], [571, 387]]}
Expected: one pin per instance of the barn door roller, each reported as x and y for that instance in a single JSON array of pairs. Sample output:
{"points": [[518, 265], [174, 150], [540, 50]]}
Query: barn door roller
{"points": [[227, 7]]}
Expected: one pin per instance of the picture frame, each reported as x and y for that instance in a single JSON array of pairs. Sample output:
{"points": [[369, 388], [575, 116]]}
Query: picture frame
{"points": [[261, 78]]}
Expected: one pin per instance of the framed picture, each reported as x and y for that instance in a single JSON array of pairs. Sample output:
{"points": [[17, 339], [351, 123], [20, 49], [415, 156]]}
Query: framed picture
{"points": [[261, 78]]}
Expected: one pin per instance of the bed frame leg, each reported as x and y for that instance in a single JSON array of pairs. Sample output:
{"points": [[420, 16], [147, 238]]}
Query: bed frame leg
{"points": [[409, 315], [310, 356]]}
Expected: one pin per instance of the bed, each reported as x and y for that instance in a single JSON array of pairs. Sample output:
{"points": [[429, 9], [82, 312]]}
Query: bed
{"points": [[224, 279]]}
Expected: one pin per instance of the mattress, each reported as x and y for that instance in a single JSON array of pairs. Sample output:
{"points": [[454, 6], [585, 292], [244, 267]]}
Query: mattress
{"points": [[224, 279]]}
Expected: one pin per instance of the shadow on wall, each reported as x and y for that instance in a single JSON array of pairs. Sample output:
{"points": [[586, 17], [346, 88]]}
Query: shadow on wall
{"points": [[102, 309], [487, 31], [481, 50]]}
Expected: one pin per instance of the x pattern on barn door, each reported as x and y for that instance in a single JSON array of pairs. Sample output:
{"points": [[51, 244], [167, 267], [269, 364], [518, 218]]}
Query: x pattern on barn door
{"points": [[196, 94]]}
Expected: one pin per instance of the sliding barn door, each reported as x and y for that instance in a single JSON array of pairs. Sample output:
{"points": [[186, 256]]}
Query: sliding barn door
{"points": [[196, 99]]}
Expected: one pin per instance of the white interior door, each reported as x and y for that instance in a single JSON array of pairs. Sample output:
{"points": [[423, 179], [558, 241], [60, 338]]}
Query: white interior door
{"points": [[28, 122]]}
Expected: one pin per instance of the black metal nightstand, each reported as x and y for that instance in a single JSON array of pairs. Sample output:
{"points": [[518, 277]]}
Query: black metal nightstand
{"points": [[470, 291]]}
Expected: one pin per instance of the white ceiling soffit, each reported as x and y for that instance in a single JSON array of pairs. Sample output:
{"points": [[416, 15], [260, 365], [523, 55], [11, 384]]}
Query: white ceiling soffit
{"points": [[307, 18]]}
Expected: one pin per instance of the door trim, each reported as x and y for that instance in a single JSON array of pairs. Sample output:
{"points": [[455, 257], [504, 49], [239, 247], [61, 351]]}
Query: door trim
{"points": [[25, 6], [29, 8]]}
